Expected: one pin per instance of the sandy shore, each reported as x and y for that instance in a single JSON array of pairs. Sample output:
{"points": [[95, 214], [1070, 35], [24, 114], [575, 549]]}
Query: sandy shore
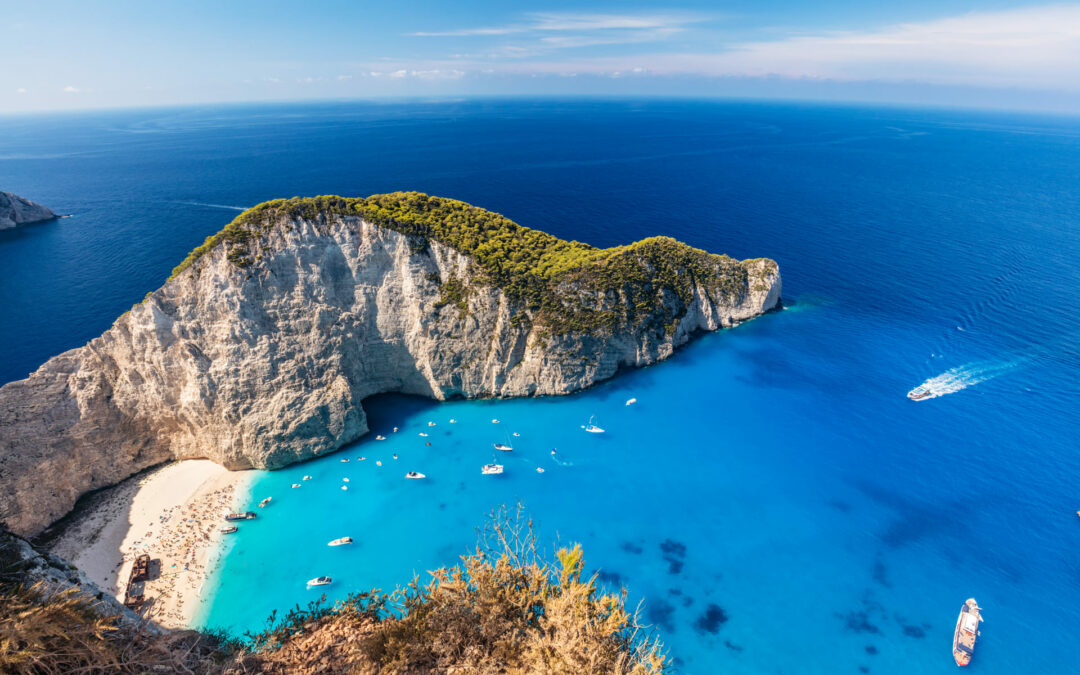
{"points": [[174, 514]]}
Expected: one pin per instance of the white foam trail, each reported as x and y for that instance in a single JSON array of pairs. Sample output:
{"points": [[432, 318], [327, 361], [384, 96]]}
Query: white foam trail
{"points": [[215, 206], [967, 375]]}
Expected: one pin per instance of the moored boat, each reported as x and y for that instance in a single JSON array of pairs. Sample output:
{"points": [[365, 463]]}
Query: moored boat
{"points": [[295, 485], [967, 630], [319, 581], [503, 447], [246, 515], [415, 475], [592, 428], [229, 530], [491, 469], [631, 401], [263, 503], [341, 541], [380, 437]]}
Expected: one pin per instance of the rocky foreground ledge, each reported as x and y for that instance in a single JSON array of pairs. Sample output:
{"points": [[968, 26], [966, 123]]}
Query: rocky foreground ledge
{"points": [[15, 211], [260, 348]]}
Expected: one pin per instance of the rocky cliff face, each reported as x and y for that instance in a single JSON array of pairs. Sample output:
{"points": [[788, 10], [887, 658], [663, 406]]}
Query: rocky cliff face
{"points": [[264, 361], [14, 210]]}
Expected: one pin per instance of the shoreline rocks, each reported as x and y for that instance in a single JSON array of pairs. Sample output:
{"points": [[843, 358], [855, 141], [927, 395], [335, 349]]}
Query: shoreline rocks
{"points": [[16, 210]]}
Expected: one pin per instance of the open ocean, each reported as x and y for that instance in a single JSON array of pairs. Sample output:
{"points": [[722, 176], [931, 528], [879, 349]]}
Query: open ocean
{"points": [[774, 499]]}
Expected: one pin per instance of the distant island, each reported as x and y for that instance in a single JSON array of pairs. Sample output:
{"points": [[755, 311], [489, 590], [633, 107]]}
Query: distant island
{"points": [[16, 210], [261, 347]]}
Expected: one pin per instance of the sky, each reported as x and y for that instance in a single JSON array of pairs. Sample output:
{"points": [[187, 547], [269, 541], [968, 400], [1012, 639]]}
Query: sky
{"points": [[107, 54]]}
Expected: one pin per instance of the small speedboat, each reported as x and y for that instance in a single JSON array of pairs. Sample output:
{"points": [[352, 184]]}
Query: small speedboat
{"points": [[344, 487], [395, 430], [264, 502], [423, 434], [431, 424], [494, 421], [491, 469], [631, 401], [453, 421], [592, 428], [229, 530], [395, 456], [344, 480], [307, 478], [380, 438], [920, 392], [378, 462], [341, 542], [295, 485], [415, 475], [345, 460], [516, 434], [503, 447], [319, 581], [361, 459], [539, 469]]}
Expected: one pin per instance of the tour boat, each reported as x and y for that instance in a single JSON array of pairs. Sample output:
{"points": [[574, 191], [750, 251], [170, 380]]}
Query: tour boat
{"points": [[380, 437], [415, 475], [491, 469], [920, 392], [246, 515], [592, 428], [264, 502], [295, 485], [967, 629], [631, 401], [341, 542], [319, 581], [229, 530]]}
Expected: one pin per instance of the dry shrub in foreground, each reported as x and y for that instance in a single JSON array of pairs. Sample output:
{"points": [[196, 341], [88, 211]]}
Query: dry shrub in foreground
{"points": [[502, 610]]}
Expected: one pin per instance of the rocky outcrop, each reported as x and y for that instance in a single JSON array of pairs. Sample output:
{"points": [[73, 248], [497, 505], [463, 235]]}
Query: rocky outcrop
{"points": [[14, 211], [260, 352]]}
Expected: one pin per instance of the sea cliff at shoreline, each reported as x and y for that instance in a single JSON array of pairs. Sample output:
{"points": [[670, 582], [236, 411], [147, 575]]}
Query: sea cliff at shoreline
{"points": [[261, 347], [16, 210]]}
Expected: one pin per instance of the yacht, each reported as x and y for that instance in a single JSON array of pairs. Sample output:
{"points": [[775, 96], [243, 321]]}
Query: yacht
{"points": [[920, 392], [503, 447], [592, 428], [415, 475], [967, 630], [341, 542], [491, 469], [319, 581]]}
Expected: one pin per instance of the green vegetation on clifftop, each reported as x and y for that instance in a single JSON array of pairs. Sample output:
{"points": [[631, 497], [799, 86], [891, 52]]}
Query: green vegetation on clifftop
{"points": [[561, 282]]}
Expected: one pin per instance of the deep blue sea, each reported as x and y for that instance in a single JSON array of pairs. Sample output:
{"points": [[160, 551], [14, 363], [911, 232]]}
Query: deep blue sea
{"points": [[773, 499]]}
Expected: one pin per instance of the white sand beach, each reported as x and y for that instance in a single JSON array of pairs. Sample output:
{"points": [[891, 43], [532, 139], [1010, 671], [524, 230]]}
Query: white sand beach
{"points": [[174, 514]]}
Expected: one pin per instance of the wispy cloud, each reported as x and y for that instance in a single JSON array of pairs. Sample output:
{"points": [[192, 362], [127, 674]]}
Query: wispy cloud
{"points": [[71, 90], [20, 90], [619, 28]]}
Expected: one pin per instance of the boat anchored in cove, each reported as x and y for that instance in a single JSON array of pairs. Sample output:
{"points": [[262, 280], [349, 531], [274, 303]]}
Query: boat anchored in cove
{"points": [[967, 630]]}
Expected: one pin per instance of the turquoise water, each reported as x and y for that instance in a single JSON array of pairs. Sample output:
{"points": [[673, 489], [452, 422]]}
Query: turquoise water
{"points": [[773, 499]]}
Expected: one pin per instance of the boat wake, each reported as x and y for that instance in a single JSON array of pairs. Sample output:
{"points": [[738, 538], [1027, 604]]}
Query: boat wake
{"points": [[215, 206], [961, 377]]}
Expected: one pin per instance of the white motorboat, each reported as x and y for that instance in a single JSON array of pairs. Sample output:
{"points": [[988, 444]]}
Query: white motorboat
{"points": [[431, 424], [345, 459], [307, 477], [295, 485], [453, 421], [631, 401], [491, 469], [494, 421], [423, 434], [341, 542], [380, 437], [415, 475], [263, 503], [395, 430], [517, 435], [592, 428], [344, 480], [319, 581], [344, 487], [378, 462], [503, 447], [539, 469]]}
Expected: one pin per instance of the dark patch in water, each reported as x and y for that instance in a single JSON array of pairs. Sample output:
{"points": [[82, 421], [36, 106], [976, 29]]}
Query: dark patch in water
{"points": [[660, 612], [674, 553], [881, 574], [687, 601], [711, 620], [842, 507], [631, 547], [442, 506], [871, 650], [609, 578], [674, 591], [914, 631], [732, 646], [864, 669], [858, 622]]}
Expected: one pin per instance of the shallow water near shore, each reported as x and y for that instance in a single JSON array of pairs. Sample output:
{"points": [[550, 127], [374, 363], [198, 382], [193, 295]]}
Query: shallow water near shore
{"points": [[773, 498]]}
